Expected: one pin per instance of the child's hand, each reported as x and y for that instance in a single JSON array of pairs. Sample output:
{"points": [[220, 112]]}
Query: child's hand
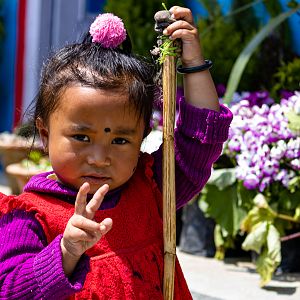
{"points": [[82, 232], [184, 29]]}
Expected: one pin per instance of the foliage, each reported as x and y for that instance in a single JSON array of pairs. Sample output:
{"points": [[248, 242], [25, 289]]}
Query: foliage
{"points": [[287, 77], [138, 17], [258, 196], [215, 31], [223, 38], [244, 56], [36, 161]]}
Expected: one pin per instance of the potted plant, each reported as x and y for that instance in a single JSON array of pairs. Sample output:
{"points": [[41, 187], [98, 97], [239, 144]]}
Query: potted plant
{"points": [[13, 148], [258, 194], [35, 163]]}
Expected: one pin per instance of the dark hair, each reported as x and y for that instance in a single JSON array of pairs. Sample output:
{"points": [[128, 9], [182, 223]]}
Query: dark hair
{"points": [[89, 64]]}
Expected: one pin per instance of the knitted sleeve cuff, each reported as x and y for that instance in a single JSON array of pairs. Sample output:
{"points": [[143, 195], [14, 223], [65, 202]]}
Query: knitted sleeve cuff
{"points": [[50, 275], [208, 126]]}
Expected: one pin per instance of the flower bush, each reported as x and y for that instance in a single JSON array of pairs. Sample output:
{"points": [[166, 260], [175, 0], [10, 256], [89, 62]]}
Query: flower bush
{"points": [[265, 149], [254, 190]]}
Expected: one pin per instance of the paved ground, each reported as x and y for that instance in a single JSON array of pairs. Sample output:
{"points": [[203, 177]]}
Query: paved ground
{"points": [[209, 279]]}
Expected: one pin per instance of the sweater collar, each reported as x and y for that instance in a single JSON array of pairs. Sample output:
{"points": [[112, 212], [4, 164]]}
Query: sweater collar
{"points": [[46, 183]]}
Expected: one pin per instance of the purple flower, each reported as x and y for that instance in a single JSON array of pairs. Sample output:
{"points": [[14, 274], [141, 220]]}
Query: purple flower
{"points": [[286, 94], [235, 144], [264, 183], [259, 98], [260, 141], [295, 163], [271, 167], [251, 182]]}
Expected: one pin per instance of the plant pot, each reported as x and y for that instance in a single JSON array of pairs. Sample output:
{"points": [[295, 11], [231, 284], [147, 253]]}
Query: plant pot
{"points": [[290, 258], [12, 150], [197, 234], [22, 173]]}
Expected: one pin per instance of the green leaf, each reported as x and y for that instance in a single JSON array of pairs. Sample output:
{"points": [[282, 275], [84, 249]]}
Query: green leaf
{"points": [[223, 241], [294, 184], [243, 58], [219, 240], [256, 238], [35, 156], [245, 196], [269, 260], [297, 213], [294, 121], [260, 213], [223, 207], [222, 178]]}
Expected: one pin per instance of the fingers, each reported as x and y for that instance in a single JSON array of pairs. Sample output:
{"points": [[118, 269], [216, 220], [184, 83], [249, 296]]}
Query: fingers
{"points": [[80, 235], [183, 28], [106, 225], [182, 13], [80, 203], [96, 201], [85, 224], [81, 229]]}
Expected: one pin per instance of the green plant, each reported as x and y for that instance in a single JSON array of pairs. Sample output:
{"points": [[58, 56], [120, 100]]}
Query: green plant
{"points": [[36, 160], [244, 57], [241, 24], [221, 51], [256, 193], [222, 40], [287, 77], [139, 21]]}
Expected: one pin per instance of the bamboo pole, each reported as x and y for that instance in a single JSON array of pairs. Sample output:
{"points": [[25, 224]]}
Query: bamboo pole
{"points": [[169, 205]]}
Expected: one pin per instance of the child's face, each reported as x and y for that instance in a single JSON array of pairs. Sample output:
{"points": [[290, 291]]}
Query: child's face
{"points": [[93, 136]]}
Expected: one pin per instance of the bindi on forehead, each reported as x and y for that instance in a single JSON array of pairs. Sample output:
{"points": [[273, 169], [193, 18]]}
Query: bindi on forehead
{"points": [[107, 129]]}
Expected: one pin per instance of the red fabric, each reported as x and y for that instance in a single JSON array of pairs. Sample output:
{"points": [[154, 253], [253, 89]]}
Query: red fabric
{"points": [[19, 72], [128, 262]]}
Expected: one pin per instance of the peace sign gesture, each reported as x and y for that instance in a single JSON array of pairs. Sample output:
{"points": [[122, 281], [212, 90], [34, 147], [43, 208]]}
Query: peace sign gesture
{"points": [[82, 232]]}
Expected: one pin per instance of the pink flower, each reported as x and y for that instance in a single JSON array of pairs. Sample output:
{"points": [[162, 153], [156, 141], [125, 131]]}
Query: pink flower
{"points": [[108, 30]]}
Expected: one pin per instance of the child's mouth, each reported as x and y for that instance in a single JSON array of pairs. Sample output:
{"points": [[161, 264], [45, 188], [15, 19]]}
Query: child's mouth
{"points": [[95, 179]]}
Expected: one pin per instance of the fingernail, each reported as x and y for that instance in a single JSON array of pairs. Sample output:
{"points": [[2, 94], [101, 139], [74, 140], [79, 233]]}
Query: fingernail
{"points": [[165, 32]]}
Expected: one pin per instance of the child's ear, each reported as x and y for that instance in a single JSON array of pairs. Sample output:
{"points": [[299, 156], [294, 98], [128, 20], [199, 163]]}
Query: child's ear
{"points": [[43, 132]]}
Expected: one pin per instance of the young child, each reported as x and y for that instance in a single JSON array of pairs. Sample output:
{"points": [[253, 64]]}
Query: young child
{"points": [[92, 228]]}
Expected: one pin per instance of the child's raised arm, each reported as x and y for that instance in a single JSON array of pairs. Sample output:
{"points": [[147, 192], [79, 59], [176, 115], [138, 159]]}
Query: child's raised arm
{"points": [[199, 88]]}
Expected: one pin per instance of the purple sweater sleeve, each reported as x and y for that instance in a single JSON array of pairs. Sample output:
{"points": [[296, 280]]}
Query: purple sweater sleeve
{"points": [[29, 268], [199, 138]]}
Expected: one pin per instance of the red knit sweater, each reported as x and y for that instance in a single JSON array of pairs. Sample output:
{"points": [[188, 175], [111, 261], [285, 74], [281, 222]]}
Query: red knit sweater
{"points": [[127, 263]]}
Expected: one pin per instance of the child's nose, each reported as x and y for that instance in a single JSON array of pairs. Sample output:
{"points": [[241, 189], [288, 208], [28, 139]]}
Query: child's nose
{"points": [[99, 157]]}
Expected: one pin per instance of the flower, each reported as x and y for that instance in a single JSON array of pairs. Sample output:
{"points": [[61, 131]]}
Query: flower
{"points": [[258, 177], [261, 143], [108, 30]]}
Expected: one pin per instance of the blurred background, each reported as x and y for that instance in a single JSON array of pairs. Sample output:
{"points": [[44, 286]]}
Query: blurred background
{"points": [[255, 48], [31, 29]]}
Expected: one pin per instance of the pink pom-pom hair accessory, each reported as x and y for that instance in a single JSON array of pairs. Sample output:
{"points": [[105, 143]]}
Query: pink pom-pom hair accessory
{"points": [[108, 30]]}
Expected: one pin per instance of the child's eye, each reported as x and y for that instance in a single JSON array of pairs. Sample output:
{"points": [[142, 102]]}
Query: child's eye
{"points": [[119, 141], [81, 137]]}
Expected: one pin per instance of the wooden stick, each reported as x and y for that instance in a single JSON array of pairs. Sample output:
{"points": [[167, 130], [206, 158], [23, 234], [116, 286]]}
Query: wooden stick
{"points": [[169, 195]]}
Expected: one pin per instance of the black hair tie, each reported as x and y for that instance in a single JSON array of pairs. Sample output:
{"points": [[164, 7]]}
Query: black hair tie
{"points": [[207, 65]]}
